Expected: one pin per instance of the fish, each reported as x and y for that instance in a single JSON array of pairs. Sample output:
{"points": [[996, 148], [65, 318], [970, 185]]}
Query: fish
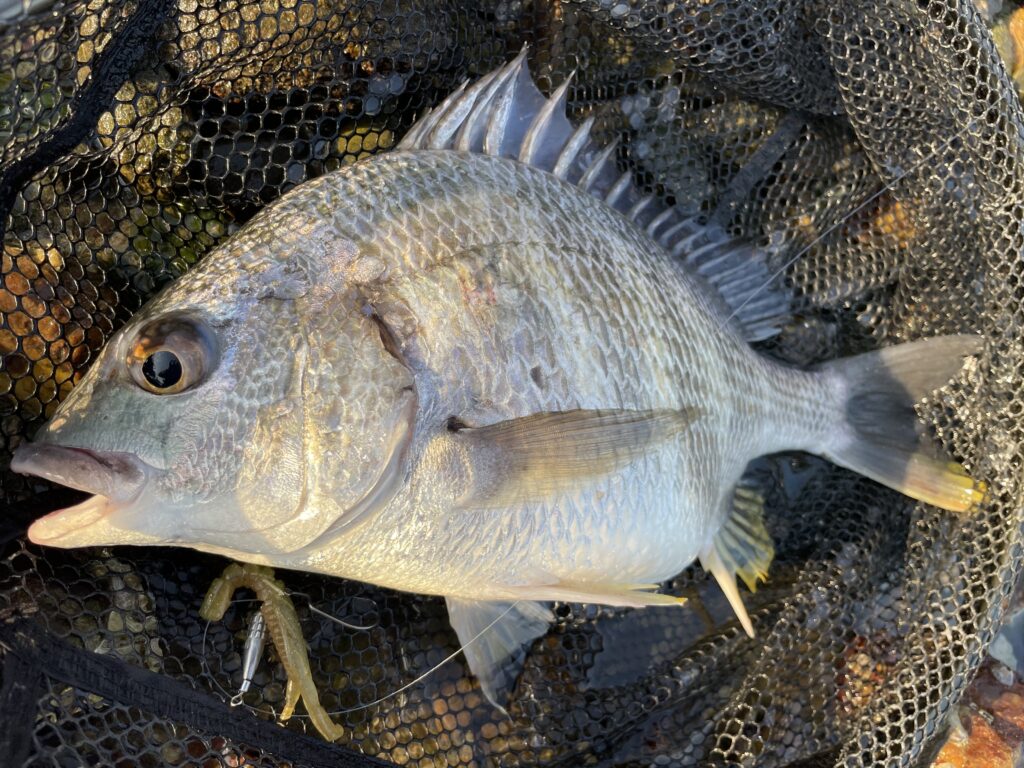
{"points": [[487, 367]]}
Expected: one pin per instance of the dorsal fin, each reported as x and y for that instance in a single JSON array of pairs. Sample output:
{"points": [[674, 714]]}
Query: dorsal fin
{"points": [[504, 114]]}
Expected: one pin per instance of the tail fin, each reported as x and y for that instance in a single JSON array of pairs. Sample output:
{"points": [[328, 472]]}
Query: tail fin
{"points": [[880, 438]]}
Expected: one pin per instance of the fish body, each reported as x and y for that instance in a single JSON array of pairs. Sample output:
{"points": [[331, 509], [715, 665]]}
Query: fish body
{"points": [[625, 329], [460, 373]]}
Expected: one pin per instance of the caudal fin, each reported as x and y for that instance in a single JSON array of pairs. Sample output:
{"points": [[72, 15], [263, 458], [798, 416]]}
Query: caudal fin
{"points": [[880, 438]]}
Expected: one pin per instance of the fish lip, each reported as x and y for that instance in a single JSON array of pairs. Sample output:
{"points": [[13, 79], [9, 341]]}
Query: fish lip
{"points": [[50, 529], [118, 477]]}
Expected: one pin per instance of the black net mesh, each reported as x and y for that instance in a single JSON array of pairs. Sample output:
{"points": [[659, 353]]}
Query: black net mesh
{"points": [[876, 143]]}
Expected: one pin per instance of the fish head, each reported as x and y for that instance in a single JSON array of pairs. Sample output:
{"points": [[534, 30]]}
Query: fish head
{"points": [[250, 406]]}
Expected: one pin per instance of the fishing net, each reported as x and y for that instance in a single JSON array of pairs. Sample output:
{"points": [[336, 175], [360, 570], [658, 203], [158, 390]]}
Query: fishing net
{"points": [[875, 144]]}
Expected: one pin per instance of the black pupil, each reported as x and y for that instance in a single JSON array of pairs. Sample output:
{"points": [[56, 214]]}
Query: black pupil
{"points": [[162, 369]]}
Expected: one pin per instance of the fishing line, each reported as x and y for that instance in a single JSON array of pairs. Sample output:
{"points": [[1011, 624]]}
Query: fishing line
{"points": [[842, 220], [273, 713], [337, 620], [430, 671]]}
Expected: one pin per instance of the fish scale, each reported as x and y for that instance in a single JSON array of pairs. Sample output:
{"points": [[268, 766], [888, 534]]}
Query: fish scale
{"points": [[367, 347]]}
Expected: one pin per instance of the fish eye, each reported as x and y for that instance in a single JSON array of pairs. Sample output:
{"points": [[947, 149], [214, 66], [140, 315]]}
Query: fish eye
{"points": [[162, 369], [171, 355]]}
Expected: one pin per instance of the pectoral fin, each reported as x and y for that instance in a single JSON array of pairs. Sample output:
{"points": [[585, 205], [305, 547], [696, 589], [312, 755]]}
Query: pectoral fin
{"points": [[532, 458], [494, 638], [741, 548]]}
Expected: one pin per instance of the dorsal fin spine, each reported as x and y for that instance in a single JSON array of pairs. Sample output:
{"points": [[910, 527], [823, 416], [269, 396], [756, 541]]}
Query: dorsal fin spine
{"points": [[619, 189], [693, 252], [443, 114], [572, 149], [639, 208], [504, 114], [672, 236], [656, 223], [481, 108], [498, 117], [448, 119], [591, 174], [723, 266], [554, 107]]}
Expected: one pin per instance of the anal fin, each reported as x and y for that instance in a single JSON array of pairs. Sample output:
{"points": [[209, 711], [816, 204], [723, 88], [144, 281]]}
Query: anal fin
{"points": [[741, 548], [495, 637], [603, 593]]}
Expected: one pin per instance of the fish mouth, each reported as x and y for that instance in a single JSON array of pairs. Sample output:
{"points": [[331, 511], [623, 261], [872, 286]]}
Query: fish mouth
{"points": [[115, 479], [63, 528]]}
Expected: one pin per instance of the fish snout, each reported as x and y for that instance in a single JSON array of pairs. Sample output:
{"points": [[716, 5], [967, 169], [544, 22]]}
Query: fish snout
{"points": [[117, 476]]}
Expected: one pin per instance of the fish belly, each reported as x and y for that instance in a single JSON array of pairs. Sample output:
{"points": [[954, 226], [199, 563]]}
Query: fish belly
{"points": [[644, 523]]}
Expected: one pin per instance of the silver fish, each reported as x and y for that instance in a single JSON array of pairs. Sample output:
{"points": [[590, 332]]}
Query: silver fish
{"points": [[484, 367]]}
